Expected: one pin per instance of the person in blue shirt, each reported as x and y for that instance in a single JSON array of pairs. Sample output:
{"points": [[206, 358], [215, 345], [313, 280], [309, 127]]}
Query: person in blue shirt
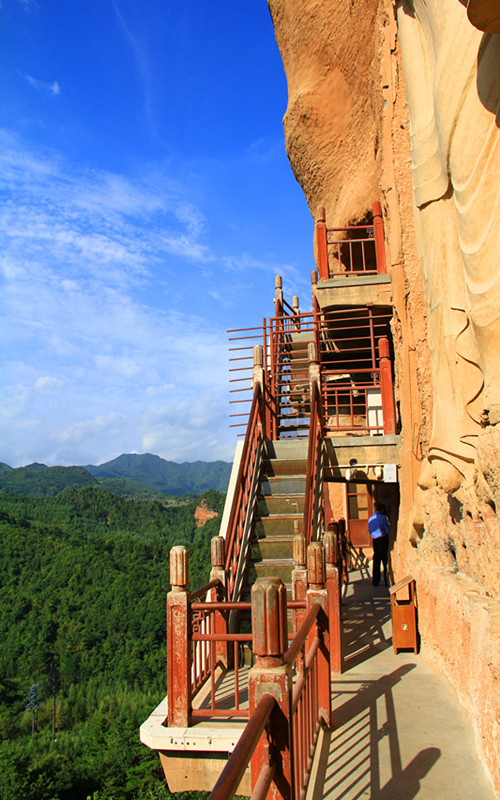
{"points": [[378, 525]]}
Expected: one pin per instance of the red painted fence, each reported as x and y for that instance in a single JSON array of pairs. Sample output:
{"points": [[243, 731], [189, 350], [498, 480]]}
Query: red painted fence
{"points": [[289, 691], [353, 249], [353, 363], [281, 735]]}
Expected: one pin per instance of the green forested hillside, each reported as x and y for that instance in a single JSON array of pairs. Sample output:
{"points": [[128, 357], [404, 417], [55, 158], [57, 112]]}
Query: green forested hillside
{"points": [[83, 578], [132, 475], [190, 477], [37, 480]]}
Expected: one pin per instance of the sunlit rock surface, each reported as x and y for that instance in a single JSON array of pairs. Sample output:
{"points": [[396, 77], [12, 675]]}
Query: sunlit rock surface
{"points": [[399, 103]]}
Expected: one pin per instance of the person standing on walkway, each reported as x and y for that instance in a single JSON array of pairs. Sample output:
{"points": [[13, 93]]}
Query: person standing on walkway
{"points": [[378, 525]]}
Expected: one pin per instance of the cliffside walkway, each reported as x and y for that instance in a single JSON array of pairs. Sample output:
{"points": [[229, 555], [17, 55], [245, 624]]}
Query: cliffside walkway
{"points": [[399, 731]]}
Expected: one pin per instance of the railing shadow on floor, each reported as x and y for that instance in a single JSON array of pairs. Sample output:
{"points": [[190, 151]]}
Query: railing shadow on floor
{"points": [[224, 692], [363, 633], [358, 560], [365, 734], [366, 612]]}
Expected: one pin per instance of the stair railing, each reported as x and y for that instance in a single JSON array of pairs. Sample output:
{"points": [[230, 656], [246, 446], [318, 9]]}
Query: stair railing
{"points": [[244, 501], [311, 526], [199, 643], [289, 336], [289, 691]]}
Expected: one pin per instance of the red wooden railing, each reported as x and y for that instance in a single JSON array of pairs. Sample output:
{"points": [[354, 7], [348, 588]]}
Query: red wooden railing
{"points": [[205, 639], [242, 343], [349, 403], [334, 578], [355, 372], [199, 641], [311, 525], [284, 722], [238, 531], [289, 333], [289, 691], [353, 249], [197, 644]]}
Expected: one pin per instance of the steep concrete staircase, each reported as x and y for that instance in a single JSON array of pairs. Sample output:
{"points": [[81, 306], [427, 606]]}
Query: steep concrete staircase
{"points": [[279, 511]]}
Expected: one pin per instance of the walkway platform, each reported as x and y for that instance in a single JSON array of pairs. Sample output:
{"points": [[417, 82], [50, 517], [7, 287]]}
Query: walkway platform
{"points": [[399, 730]]}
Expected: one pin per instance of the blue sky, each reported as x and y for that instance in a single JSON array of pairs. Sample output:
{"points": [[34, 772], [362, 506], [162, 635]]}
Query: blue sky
{"points": [[147, 204]]}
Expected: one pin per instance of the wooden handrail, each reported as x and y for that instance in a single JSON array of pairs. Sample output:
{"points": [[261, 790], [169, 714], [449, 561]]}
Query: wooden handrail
{"points": [[242, 500], [204, 589], [314, 443], [230, 778], [301, 635], [299, 684]]}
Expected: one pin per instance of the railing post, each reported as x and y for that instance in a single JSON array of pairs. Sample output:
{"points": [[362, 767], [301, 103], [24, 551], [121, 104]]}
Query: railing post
{"points": [[316, 592], [258, 378], [296, 313], [321, 244], [378, 232], [258, 372], [274, 341], [178, 641], [278, 296], [386, 389], [299, 578], [217, 593], [268, 400], [315, 307], [312, 357], [331, 543], [271, 675]]}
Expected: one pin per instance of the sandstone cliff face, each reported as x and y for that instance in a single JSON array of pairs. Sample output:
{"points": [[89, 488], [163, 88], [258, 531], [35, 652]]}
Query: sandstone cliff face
{"points": [[333, 118], [203, 513], [350, 142]]}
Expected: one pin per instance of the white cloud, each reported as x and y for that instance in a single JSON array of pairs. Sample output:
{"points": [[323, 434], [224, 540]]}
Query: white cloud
{"points": [[43, 86], [245, 263], [47, 384], [111, 317], [186, 430]]}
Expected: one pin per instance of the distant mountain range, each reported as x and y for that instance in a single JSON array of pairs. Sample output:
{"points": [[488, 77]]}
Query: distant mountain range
{"points": [[129, 475]]}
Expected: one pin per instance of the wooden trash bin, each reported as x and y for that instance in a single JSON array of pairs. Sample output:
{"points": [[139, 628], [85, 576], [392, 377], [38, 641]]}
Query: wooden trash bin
{"points": [[404, 615]]}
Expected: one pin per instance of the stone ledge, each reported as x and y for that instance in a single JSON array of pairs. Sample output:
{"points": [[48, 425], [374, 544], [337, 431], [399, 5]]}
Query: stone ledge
{"points": [[353, 280]]}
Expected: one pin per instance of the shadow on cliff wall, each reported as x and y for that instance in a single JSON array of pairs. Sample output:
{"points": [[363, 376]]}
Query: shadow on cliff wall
{"points": [[488, 72]]}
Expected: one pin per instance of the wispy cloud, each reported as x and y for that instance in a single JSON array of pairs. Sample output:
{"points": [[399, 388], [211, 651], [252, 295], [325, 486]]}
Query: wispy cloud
{"points": [[245, 264], [43, 86], [93, 219], [85, 327], [141, 59], [111, 298]]}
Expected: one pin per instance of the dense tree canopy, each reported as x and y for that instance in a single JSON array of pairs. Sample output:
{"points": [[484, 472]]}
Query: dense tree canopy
{"points": [[83, 579]]}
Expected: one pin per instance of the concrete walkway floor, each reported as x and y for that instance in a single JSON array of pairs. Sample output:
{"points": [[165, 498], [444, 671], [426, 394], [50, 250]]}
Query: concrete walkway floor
{"points": [[399, 730]]}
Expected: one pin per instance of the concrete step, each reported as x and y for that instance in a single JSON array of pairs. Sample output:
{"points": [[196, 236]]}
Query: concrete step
{"points": [[280, 568], [279, 467], [283, 485], [280, 504], [287, 449], [279, 525], [272, 548]]}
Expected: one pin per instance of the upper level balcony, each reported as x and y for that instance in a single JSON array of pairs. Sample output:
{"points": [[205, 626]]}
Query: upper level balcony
{"points": [[351, 264], [349, 351]]}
